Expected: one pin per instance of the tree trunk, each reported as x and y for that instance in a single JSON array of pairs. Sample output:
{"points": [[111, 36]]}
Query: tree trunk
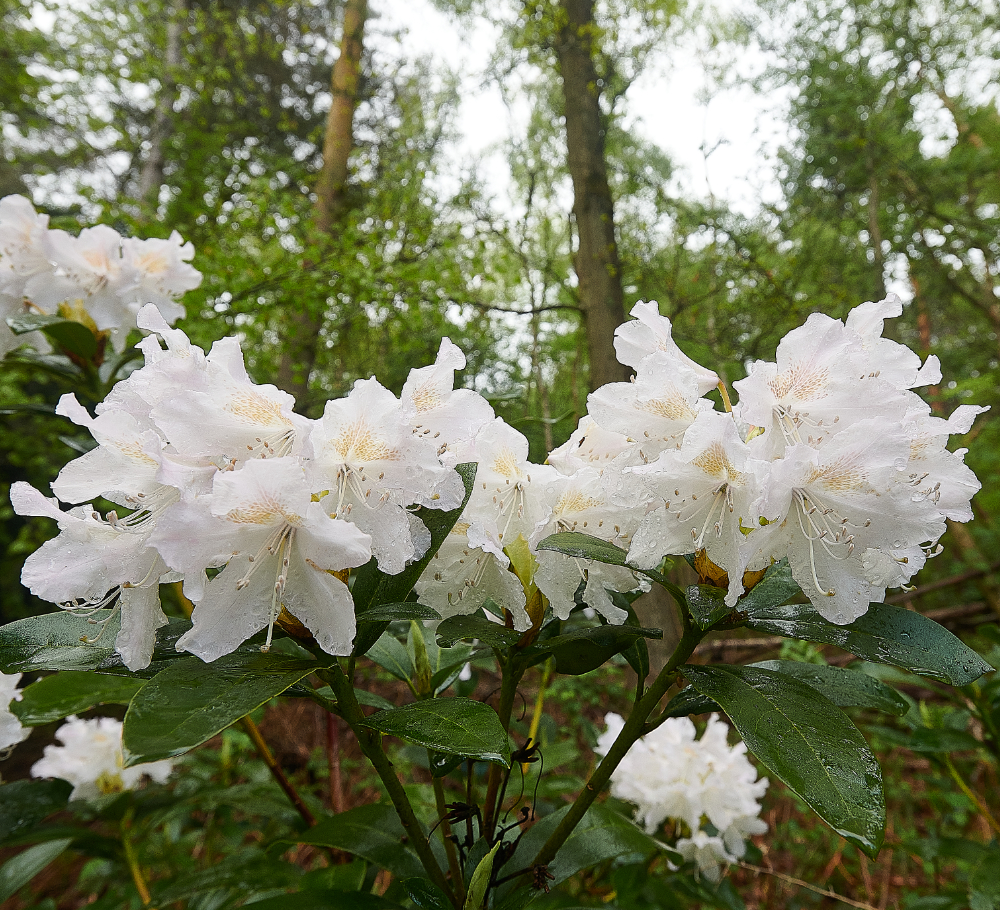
{"points": [[302, 331], [151, 175], [597, 266]]}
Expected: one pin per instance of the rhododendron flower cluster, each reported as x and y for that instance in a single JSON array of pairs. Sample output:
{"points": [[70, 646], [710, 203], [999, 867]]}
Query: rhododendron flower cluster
{"points": [[11, 730], [829, 458], [670, 774], [90, 758], [108, 275]]}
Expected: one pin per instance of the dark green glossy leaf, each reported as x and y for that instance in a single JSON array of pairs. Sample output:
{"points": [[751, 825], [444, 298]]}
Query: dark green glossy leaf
{"points": [[706, 604], [391, 612], [70, 335], [58, 641], [441, 763], [689, 701], [583, 546], [586, 649], [372, 832], [21, 869], [25, 803], [458, 726], [602, 834], [190, 701], [70, 692], [425, 895], [845, 688], [373, 588], [775, 588], [54, 641], [807, 741], [885, 634], [476, 626], [390, 654]]}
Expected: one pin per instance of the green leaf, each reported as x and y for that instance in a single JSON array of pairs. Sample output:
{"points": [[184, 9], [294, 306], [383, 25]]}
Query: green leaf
{"points": [[885, 634], [689, 701], [372, 832], [602, 835], [55, 641], [425, 895], [706, 604], [583, 546], [775, 588], [190, 701], [373, 588], [70, 692], [480, 881], [21, 869], [586, 649], [25, 803], [806, 741], [458, 726], [391, 612], [845, 688], [68, 334], [476, 626], [390, 654]]}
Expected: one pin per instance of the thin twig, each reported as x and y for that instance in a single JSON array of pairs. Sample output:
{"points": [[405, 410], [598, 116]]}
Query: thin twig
{"points": [[449, 845], [132, 860], [272, 765], [798, 881]]}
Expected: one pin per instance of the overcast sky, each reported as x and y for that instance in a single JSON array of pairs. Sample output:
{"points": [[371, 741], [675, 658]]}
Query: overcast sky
{"points": [[666, 105]]}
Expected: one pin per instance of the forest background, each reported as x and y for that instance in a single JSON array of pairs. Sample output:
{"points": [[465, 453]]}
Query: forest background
{"points": [[317, 169]]}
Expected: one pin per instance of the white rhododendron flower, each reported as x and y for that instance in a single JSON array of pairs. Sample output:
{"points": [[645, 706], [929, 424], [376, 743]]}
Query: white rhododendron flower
{"points": [[649, 333], [90, 758], [461, 578], [369, 466], [11, 730], [97, 562], [447, 417], [704, 496], [671, 774], [589, 445], [280, 550]]}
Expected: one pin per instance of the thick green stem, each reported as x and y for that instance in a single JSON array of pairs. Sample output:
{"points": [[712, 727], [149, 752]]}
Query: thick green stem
{"points": [[512, 674], [449, 845], [371, 746], [630, 733]]}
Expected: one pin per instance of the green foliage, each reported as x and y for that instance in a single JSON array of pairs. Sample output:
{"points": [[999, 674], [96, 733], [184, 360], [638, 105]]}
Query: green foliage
{"points": [[190, 701], [455, 726], [806, 741]]}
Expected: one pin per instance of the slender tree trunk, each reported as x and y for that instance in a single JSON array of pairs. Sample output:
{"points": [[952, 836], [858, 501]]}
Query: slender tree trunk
{"points": [[303, 327], [874, 229], [151, 175], [597, 266]]}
